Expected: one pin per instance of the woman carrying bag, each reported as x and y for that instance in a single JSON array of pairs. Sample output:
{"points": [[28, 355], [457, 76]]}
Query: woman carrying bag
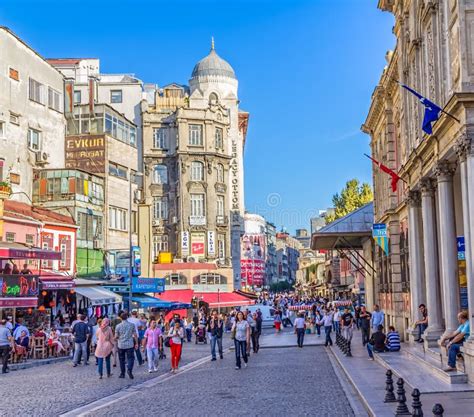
{"points": [[105, 345], [241, 336], [175, 337]]}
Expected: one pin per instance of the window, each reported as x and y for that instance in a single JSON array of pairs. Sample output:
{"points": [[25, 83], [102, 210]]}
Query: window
{"points": [[197, 205], [175, 279], [160, 174], [120, 129], [115, 96], [159, 138], [14, 118], [34, 137], [63, 250], [13, 73], [219, 138], [10, 237], [160, 244], [30, 239], [2, 129], [210, 279], [77, 96], [118, 170], [220, 173], [36, 92], [197, 171], [213, 99], [160, 208], [54, 99], [117, 218], [195, 135], [133, 136], [90, 227], [220, 205], [221, 246]]}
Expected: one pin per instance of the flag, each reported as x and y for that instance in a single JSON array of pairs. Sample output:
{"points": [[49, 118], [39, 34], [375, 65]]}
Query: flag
{"points": [[432, 111], [393, 174]]}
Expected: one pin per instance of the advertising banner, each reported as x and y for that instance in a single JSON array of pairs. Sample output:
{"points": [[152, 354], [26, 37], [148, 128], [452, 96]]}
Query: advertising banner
{"points": [[86, 152], [19, 285], [144, 285], [211, 243], [198, 242], [136, 261], [379, 233], [252, 263], [184, 243]]}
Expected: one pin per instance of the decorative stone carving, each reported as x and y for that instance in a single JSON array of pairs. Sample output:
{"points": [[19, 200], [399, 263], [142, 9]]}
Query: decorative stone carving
{"points": [[445, 170], [462, 147], [431, 62], [427, 186], [413, 199]]}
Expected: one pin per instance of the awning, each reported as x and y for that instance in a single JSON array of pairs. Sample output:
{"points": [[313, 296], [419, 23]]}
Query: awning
{"points": [[246, 294], [146, 301], [224, 299], [99, 296], [20, 251], [182, 296], [56, 282], [19, 302]]}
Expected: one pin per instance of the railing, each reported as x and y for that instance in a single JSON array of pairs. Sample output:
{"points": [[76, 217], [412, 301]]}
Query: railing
{"points": [[222, 220], [197, 220]]}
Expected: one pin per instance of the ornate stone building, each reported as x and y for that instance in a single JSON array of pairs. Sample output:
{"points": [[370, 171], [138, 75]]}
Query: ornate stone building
{"points": [[433, 210], [193, 160]]}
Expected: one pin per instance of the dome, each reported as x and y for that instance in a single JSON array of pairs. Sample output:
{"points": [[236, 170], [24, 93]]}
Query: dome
{"points": [[213, 64]]}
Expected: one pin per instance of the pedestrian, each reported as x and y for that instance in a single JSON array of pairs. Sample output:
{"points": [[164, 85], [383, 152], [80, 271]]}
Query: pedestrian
{"points": [[364, 319], [241, 334], [81, 333], [216, 331], [357, 316], [127, 343], [455, 340], [6, 340], [393, 340], [378, 318], [421, 324], [114, 323], [152, 342], [300, 328], [277, 321], [347, 321], [328, 323], [256, 332], [318, 321], [376, 343], [176, 335], [105, 346], [137, 323], [336, 319]]}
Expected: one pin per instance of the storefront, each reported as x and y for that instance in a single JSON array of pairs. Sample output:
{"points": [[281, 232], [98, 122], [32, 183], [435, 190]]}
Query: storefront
{"points": [[96, 301]]}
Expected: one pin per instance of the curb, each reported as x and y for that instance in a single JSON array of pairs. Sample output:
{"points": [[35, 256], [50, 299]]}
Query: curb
{"points": [[36, 363]]}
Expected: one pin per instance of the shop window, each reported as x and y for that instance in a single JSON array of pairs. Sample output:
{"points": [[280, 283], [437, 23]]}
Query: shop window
{"points": [[30, 239], [175, 279], [10, 237]]}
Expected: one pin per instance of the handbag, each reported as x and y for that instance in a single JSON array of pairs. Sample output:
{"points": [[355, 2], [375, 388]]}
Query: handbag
{"points": [[233, 332], [167, 341]]}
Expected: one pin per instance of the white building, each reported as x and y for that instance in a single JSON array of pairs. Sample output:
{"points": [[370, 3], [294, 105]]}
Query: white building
{"points": [[32, 124]]}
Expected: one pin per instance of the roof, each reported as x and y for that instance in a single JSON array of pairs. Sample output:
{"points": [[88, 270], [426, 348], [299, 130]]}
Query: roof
{"points": [[23, 211], [65, 61], [347, 232], [213, 64], [176, 267]]}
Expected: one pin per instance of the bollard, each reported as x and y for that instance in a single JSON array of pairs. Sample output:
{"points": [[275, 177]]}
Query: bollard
{"points": [[438, 410], [349, 353], [402, 409], [389, 395], [344, 345], [416, 404]]}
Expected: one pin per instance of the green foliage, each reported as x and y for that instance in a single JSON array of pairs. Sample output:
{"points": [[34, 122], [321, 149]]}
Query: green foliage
{"points": [[352, 196]]}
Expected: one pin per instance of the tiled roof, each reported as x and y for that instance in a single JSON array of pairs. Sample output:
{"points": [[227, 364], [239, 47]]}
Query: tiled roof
{"points": [[20, 210]]}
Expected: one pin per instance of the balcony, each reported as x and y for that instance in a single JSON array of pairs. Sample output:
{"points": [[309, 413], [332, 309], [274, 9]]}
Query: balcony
{"points": [[197, 220], [222, 220]]}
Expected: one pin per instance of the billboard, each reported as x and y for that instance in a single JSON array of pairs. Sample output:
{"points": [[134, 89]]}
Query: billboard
{"points": [[198, 243], [252, 261], [86, 153]]}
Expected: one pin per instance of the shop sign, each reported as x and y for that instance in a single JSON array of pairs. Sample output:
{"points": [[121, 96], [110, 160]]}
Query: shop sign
{"points": [[136, 261], [19, 302], [57, 285], [197, 244], [144, 285], [379, 233], [461, 248], [184, 243], [211, 243], [19, 285], [87, 153]]}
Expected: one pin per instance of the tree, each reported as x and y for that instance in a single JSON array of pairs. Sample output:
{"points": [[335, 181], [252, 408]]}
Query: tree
{"points": [[353, 196]]}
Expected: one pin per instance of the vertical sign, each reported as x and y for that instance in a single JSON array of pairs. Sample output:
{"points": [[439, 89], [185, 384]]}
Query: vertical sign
{"points": [[184, 243], [68, 96], [198, 242], [379, 233], [461, 246], [211, 243]]}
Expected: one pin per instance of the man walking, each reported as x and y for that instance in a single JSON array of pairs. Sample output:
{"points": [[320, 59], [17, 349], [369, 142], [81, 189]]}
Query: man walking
{"points": [[364, 320], [6, 340], [378, 318], [127, 341], [327, 323], [256, 332], [216, 331], [336, 321], [81, 333], [347, 320], [137, 323], [300, 327]]}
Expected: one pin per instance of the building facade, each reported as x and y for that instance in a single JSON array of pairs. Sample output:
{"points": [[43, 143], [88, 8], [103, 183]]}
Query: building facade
{"points": [[32, 124], [271, 265], [253, 251], [431, 215], [193, 163]]}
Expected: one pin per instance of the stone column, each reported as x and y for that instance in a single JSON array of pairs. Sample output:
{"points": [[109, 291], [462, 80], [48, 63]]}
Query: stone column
{"points": [[417, 272], [447, 242], [433, 298]]}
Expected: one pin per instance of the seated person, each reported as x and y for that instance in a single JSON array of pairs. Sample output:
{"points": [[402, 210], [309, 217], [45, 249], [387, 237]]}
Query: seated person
{"points": [[376, 342], [423, 323], [39, 333], [393, 340], [22, 344], [455, 340], [53, 341]]}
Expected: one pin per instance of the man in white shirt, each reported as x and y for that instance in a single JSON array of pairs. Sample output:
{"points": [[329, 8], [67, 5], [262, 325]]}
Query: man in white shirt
{"points": [[300, 327], [327, 323], [337, 319]]}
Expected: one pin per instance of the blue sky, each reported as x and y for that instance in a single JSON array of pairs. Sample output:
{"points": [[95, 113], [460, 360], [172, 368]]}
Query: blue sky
{"points": [[306, 69]]}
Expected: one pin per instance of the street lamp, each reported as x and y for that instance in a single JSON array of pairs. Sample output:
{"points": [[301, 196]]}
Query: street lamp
{"points": [[133, 176]]}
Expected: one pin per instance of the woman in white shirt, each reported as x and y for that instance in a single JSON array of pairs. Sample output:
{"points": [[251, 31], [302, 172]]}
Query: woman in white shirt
{"points": [[176, 334], [241, 334]]}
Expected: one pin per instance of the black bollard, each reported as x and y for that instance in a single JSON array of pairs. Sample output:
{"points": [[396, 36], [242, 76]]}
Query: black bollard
{"points": [[416, 404], [344, 345], [438, 410], [402, 409], [389, 395], [349, 353]]}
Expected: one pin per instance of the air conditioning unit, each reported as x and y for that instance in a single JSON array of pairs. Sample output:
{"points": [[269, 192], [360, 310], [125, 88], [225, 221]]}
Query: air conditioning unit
{"points": [[41, 158], [191, 259]]}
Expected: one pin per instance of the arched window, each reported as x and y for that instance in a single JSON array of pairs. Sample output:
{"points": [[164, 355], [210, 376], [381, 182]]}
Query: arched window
{"points": [[209, 279], [160, 174], [175, 279], [197, 171], [220, 173], [213, 99]]}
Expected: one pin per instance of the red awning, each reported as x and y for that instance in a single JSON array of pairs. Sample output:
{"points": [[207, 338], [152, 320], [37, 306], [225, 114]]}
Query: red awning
{"points": [[56, 282], [182, 296], [223, 299], [18, 302], [19, 251]]}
